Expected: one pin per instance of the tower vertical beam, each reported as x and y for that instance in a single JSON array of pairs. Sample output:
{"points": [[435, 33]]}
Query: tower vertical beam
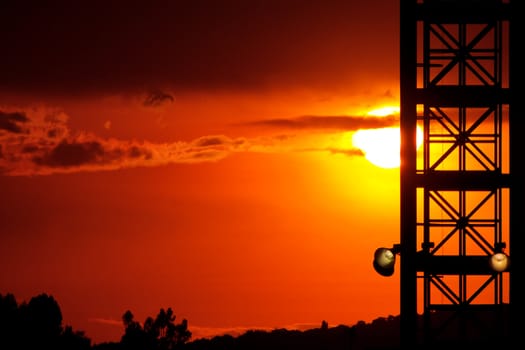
{"points": [[408, 210], [517, 170]]}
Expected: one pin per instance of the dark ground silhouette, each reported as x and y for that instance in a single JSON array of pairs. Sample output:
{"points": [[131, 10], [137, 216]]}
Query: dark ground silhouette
{"points": [[37, 324]]}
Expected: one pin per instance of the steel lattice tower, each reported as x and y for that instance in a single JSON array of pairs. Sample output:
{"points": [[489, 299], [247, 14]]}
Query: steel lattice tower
{"points": [[462, 189]]}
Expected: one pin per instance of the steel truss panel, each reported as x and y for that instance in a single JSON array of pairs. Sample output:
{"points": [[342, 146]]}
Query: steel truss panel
{"points": [[461, 176]]}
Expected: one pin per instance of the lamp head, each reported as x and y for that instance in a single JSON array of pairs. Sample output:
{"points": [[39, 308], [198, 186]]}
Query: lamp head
{"points": [[384, 261], [499, 262]]}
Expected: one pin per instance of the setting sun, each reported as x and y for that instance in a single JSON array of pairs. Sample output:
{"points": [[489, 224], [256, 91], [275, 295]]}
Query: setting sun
{"points": [[382, 146]]}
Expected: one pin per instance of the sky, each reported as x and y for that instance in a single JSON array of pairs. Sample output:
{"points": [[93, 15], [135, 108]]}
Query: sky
{"points": [[198, 155]]}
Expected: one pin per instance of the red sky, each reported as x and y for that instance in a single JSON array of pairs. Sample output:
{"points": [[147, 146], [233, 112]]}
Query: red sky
{"points": [[197, 155]]}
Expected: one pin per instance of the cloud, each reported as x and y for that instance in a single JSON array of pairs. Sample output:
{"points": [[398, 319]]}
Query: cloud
{"points": [[12, 122], [348, 152], [40, 142], [343, 123], [202, 332], [157, 98], [199, 332], [106, 321]]}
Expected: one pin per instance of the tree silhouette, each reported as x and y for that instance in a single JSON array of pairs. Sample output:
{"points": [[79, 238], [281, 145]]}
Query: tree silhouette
{"points": [[43, 319], [134, 336], [71, 339], [9, 321], [161, 333], [37, 325], [164, 322], [183, 332]]}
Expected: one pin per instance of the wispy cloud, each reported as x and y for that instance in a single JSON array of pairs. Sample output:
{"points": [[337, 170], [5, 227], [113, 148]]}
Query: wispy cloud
{"points": [[200, 332], [40, 142], [107, 321], [342, 123]]}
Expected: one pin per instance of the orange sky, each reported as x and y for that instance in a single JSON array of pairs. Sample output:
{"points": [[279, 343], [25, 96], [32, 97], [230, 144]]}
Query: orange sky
{"points": [[197, 155]]}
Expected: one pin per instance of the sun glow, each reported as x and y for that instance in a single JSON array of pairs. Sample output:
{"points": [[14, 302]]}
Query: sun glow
{"points": [[382, 146], [384, 111]]}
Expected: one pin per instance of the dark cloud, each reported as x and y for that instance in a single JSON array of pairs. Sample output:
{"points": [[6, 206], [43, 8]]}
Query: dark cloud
{"points": [[346, 123], [157, 98], [211, 141], [67, 154], [89, 47], [75, 153], [48, 145], [10, 121], [139, 152]]}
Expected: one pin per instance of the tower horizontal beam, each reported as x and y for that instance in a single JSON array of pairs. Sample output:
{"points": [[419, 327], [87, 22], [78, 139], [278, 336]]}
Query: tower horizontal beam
{"points": [[454, 264], [464, 180], [464, 96], [462, 11]]}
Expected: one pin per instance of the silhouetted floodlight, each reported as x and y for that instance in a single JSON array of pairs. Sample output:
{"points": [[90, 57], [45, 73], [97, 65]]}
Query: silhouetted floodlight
{"points": [[499, 261], [385, 260]]}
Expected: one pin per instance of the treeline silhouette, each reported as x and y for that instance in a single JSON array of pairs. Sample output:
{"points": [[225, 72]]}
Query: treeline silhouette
{"points": [[37, 324]]}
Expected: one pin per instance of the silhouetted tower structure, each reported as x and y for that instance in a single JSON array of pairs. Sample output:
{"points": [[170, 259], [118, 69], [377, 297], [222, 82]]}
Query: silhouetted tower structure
{"points": [[462, 190]]}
